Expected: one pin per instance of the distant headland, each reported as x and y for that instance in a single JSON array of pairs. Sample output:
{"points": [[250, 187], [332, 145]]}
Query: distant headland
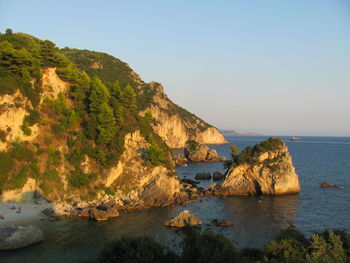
{"points": [[235, 133]]}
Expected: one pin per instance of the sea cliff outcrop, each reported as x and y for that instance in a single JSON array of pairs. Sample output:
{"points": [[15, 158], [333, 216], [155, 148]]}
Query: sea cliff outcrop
{"points": [[176, 125], [265, 169]]}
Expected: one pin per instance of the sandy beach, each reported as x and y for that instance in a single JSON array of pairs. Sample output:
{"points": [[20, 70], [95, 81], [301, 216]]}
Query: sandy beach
{"points": [[16, 213]]}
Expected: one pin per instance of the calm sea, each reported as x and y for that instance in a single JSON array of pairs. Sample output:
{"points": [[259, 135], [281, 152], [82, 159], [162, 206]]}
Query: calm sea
{"points": [[316, 159]]}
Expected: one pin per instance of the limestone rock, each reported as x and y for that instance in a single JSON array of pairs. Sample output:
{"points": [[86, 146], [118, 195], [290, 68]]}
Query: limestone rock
{"points": [[180, 160], [185, 217], [269, 172], [212, 155], [14, 237], [196, 153], [98, 215], [112, 212], [203, 176]]}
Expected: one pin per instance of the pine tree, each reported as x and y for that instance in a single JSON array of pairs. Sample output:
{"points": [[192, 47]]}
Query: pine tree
{"points": [[116, 91], [129, 99], [99, 95], [106, 124]]}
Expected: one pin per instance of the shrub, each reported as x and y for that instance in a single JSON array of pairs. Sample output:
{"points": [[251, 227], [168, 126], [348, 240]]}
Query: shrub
{"points": [[32, 118], [50, 175], [26, 129], [19, 179], [154, 155], [78, 179], [207, 247], [136, 250]]}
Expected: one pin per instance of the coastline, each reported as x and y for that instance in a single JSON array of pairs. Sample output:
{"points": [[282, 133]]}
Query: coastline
{"points": [[29, 211]]}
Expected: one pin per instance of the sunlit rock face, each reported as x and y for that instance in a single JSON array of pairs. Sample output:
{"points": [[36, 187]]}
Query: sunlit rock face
{"points": [[269, 173]]}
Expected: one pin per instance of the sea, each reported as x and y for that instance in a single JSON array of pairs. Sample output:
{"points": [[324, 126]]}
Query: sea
{"points": [[255, 220]]}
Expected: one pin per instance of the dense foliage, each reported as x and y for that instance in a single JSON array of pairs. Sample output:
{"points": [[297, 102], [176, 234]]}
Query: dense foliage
{"points": [[290, 246]]}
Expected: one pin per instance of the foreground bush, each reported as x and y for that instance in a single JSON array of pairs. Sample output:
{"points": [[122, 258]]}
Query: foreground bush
{"points": [[197, 246]]}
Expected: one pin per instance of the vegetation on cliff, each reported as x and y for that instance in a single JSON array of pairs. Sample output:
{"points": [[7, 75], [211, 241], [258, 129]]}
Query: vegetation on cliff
{"points": [[290, 246], [250, 154], [91, 119]]}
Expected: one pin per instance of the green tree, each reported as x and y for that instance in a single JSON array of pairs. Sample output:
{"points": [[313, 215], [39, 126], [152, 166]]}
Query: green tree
{"points": [[106, 124], [9, 31], [129, 99], [99, 95], [116, 90], [154, 155]]}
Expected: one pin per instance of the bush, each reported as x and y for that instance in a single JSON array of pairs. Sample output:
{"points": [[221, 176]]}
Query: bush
{"points": [[78, 179], [32, 118], [207, 247], [154, 155], [50, 175], [136, 250], [19, 179]]}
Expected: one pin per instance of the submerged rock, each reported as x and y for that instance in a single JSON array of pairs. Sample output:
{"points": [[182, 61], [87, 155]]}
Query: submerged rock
{"points": [[219, 222], [203, 176], [183, 219], [14, 237], [327, 185], [266, 169]]}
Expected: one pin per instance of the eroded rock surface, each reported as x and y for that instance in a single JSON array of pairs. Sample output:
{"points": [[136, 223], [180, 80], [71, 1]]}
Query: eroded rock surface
{"points": [[269, 172], [185, 217]]}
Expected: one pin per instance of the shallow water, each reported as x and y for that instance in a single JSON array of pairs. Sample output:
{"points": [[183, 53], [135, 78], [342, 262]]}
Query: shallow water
{"points": [[255, 219]]}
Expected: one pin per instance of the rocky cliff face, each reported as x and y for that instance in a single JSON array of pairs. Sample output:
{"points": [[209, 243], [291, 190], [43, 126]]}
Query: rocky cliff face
{"points": [[271, 173], [176, 125]]}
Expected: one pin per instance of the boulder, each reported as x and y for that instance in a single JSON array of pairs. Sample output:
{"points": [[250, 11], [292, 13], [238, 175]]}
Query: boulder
{"points": [[217, 175], [268, 170], [203, 176], [85, 212], [14, 237], [212, 155], [98, 215], [112, 212], [183, 219], [196, 152], [180, 160]]}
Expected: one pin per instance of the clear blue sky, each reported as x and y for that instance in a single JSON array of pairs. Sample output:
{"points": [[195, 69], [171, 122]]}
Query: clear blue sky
{"points": [[269, 66]]}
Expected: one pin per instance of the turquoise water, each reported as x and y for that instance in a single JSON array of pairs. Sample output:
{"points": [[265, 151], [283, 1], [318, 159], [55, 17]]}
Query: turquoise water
{"points": [[316, 159]]}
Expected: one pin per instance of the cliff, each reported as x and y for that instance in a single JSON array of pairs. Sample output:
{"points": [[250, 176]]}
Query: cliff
{"points": [[176, 125], [172, 123], [266, 169], [72, 129]]}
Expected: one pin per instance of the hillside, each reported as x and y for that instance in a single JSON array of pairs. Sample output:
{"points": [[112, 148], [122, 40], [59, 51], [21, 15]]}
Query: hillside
{"points": [[81, 125], [171, 122]]}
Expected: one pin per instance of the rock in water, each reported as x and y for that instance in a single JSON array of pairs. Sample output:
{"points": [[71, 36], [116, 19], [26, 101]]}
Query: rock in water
{"points": [[185, 217], [14, 237], [264, 169], [203, 176], [196, 152]]}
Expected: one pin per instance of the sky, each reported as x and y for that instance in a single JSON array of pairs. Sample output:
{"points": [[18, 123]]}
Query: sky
{"points": [[268, 66]]}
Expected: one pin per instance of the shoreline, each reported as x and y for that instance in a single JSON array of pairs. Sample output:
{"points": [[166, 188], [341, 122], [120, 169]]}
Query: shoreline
{"points": [[28, 211]]}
